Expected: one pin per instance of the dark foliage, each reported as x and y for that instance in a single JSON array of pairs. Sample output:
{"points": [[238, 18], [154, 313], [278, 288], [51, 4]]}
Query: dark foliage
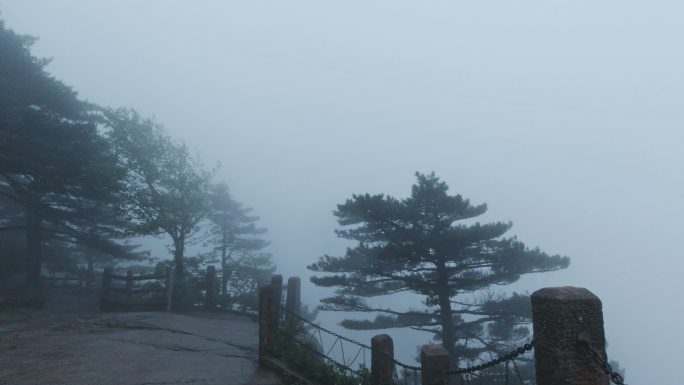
{"points": [[59, 178], [424, 244]]}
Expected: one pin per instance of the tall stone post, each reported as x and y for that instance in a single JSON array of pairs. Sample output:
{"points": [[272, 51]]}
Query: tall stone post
{"points": [[382, 360], [210, 296], [277, 284], [169, 289], [266, 327], [434, 361], [104, 291], [129, 284], [561, 317], [293, 301]]}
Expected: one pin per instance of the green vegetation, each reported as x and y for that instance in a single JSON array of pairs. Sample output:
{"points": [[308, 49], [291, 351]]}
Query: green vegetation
{"points": [[166, 187], [424, 244], [82, 181], [237, 249], [302, 357], [59, 178]]}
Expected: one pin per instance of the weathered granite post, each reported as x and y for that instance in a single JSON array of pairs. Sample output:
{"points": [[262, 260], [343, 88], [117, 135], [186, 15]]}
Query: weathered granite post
{"points": [[561, 316], [293, 300], [382, 360], [129, 284], [266, 327], [169, 289], [106, 283], [277, 284], [434, 361], [210, 298]]}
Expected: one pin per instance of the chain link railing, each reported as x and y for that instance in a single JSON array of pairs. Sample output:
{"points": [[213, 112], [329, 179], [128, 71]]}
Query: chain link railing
{"points": [[510, 356], [507, 359], [335, 353], [319, 327], [410, 373], [297, 334], [343, 361]]}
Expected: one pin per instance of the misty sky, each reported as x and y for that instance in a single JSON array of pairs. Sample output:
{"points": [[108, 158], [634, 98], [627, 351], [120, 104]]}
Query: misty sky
{"points": [[566, 117]]}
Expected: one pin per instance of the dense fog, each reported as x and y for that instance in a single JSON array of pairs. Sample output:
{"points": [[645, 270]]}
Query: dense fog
{"points": [[563, 117]]}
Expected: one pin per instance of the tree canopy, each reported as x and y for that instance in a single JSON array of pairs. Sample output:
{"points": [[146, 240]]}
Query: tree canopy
{"points": [[238, 244], [166, 187], [59, 178], [427, 244], [82, 180]]}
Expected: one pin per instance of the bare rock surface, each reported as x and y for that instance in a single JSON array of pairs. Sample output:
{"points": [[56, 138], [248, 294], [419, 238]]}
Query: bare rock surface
{"points": [[145, 348]]}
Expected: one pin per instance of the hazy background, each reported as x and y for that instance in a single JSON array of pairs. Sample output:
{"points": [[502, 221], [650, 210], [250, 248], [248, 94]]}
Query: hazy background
{"points": [[564, 116]]}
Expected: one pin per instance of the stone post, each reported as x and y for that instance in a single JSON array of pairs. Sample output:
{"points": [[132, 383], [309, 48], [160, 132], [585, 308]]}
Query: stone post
{"points": [[382, 360], [129, 284], [293, 300], [106, 283], [169, 288], [210, 296], [561, 316], [434, 361], [277, 284], [266, 327]]}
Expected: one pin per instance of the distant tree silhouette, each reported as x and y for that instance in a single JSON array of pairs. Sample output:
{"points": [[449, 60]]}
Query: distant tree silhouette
{"points": [[237, 242], [166, 187]]}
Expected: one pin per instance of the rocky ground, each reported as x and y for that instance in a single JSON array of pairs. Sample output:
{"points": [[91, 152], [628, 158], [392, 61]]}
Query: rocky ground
{"points": [[72, 344]]}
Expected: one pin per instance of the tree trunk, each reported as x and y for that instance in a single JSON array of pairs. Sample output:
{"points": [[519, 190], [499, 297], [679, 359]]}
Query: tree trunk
{"points": [[224, 276], [446, 318], [90, 274], [224, 268], [33, 249], [179, 249]]}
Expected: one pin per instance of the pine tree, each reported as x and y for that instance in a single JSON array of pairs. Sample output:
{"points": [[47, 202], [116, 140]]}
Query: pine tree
{"points": [[238, 244], [424, 244], [54, 165], [166, 187]]}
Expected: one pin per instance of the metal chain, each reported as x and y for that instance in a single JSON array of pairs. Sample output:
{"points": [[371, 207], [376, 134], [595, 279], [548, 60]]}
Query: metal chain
{"points": [[615, 377], [341, 337], [505, 358], [319, 327], [517, 372], [342, 366], [605, 366], [403, 365]]}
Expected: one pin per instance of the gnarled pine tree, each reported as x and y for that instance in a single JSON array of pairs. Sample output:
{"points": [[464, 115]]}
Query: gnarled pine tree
{"points": [[419, 245]]}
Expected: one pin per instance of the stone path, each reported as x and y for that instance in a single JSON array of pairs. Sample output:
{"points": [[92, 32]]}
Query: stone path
{"points": [[129, 348]]}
